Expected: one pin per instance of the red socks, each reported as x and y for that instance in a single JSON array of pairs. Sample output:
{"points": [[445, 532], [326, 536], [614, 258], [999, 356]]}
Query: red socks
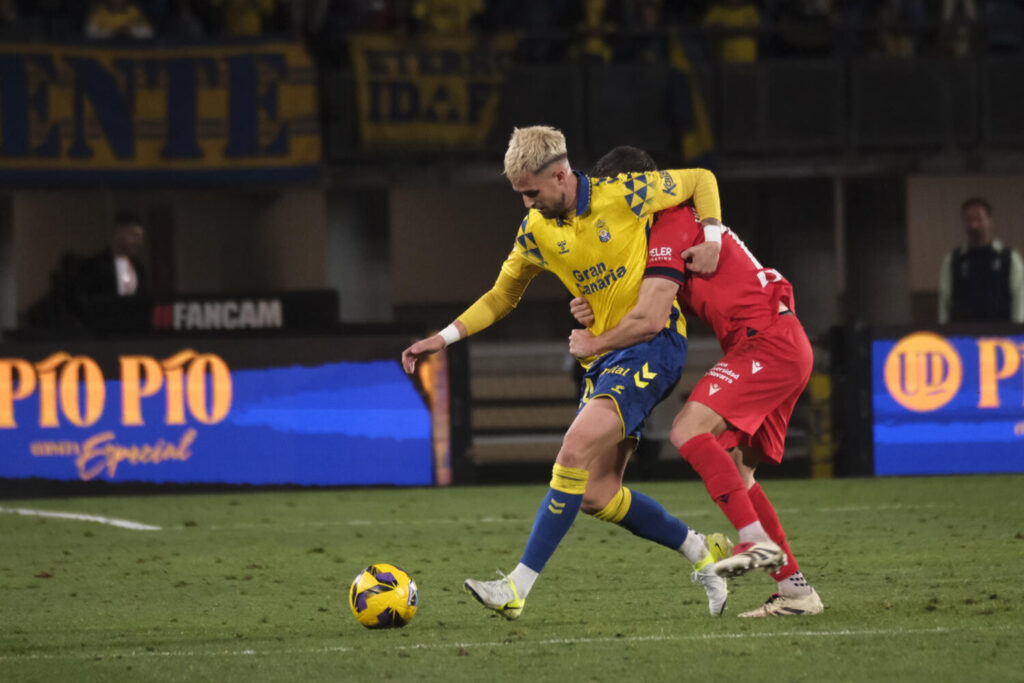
{"points": [[770, 521], [721, 478]]}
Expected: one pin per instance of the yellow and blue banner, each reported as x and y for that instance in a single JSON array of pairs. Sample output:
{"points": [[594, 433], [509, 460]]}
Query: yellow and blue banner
{"points": [[948, 404], [125, 113], [433, 91]]}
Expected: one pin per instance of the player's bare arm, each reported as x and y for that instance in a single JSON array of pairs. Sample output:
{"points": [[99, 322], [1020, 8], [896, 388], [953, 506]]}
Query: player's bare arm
{"points": [[428, 346], [642, 323]]}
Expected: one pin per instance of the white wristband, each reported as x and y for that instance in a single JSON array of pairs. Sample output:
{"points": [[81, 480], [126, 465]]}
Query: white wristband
{"points": [[713, 233], [450, 335]]}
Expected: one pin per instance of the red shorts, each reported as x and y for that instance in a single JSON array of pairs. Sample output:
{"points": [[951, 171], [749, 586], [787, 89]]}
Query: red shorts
{"points": [[757, 384]]}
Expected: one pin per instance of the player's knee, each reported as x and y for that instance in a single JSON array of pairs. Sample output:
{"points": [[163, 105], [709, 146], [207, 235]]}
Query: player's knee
{"points": [[592, 504], [747, 474], [575, 452], [693, 421], [601, 489], [679, 435], [683, 431]]}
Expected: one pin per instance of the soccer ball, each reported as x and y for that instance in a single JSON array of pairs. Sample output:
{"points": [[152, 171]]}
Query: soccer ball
{"points": [[383, 596]]}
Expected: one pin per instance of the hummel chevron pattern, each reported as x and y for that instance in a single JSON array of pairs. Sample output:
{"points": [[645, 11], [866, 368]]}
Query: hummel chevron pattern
{"points": [[643, 376]]}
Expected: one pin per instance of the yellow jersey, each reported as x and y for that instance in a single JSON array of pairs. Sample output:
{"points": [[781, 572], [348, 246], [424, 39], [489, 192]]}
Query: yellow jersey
{"points": [[599, 251]]}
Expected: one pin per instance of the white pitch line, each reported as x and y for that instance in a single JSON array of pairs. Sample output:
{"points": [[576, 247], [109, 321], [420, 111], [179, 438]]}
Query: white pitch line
{"points": [[843, 633], [110, 521]]}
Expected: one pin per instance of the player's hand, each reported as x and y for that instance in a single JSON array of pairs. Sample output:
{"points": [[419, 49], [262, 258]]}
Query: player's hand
{"points": [[581, 310], [424, 347], [582, 344], [702, 259]]}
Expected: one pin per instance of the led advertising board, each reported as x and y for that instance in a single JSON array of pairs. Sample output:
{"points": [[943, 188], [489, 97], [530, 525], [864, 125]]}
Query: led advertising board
{"points": [[306, 411], [948, 404]]}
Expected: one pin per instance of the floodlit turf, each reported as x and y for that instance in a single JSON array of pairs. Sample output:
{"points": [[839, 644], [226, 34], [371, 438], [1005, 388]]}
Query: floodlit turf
{"points": [[921, 579]]}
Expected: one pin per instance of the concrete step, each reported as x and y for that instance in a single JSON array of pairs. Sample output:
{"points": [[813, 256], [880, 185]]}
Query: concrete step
{"points": [[557, 385], [528, 418], [487, 450]]}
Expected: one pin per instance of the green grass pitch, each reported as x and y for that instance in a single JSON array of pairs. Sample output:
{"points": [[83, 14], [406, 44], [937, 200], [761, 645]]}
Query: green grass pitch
{"points": [[921, 578]]}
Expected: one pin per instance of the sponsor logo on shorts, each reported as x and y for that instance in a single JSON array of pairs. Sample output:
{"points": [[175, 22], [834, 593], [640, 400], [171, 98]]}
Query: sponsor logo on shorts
{"points": [[618, 388], [755, 367], [713, 389], [723, 372]]}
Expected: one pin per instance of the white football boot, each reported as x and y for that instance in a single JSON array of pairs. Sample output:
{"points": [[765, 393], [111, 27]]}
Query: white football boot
{"points": [[719, 547], [783, 606], [499, 595], [747, 557]]}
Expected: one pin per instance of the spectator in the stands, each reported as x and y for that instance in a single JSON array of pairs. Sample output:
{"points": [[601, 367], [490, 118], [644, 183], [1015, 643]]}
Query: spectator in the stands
{"points": [[117, 19], [736, 23], [596, 26], [244, 18], [446, 17]]}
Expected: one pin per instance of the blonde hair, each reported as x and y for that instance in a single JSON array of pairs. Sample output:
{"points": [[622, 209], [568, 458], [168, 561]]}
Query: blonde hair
{"points": [[531, 149]]}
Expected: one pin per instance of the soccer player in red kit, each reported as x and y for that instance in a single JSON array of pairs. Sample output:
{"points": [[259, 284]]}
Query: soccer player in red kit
{"points": [[737, 415]]}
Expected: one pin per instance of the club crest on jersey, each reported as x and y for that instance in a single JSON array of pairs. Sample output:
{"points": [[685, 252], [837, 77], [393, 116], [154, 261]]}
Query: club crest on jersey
{"points": [[561, 247], [602, 232]]}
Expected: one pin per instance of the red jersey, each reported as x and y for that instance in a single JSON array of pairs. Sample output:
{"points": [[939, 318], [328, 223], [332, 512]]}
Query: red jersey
{"points": [[740, 294]]}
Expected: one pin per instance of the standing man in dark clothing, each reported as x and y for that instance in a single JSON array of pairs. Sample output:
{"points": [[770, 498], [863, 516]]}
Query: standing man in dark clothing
{"points": [[114, 275], [982, 280]]}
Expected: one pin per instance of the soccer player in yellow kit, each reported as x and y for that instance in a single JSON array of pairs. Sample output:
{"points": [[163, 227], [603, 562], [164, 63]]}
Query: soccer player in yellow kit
{"points": [[592, 234]]}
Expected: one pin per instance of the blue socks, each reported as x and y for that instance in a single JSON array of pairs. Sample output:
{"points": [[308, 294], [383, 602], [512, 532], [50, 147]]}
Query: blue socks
{"points": [[556, 514], [632, 510], [644, 517]]}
